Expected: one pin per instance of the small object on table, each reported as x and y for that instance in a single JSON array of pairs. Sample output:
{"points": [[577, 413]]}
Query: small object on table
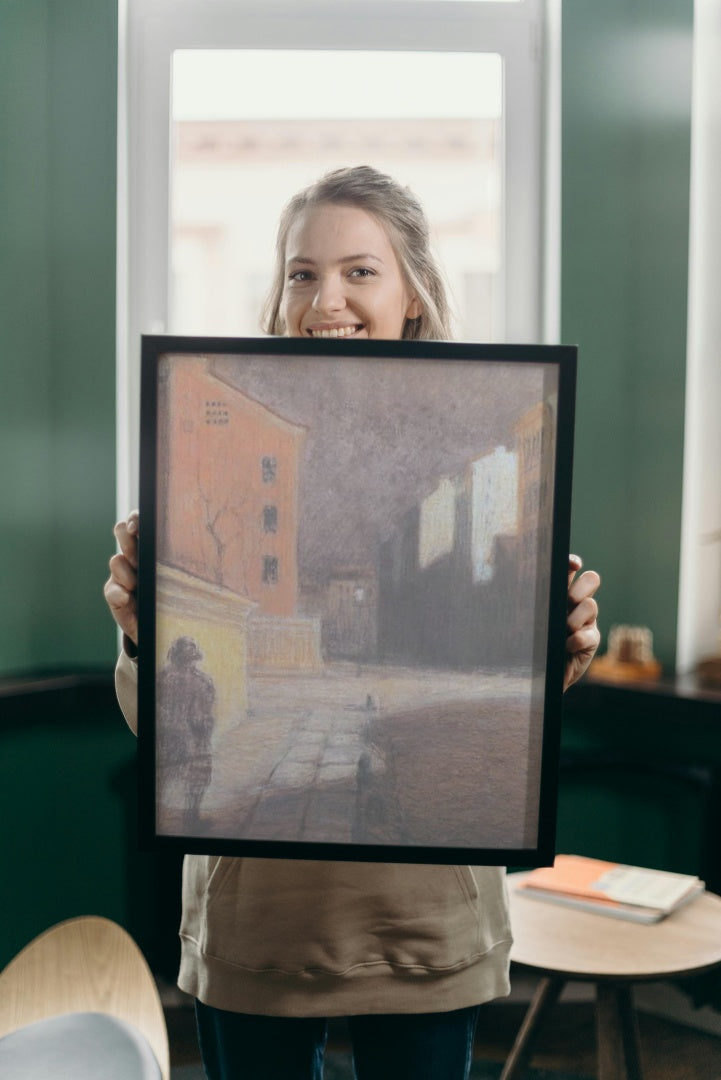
{"points": [[637, 893], [629, 657]]}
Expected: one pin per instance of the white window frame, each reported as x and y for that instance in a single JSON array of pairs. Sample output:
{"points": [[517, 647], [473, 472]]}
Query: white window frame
{"points": [[699, 597], [526, 34]]}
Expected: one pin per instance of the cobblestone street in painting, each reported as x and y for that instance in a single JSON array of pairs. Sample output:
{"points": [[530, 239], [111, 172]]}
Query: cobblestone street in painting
{"points": [[379, 755]]}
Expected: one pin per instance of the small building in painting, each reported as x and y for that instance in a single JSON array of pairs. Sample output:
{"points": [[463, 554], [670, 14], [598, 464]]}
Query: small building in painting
{"points": [[350, 616]]}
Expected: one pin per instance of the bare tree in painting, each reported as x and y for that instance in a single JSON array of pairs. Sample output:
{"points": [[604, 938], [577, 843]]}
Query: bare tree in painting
{"points": [[213, 519]]}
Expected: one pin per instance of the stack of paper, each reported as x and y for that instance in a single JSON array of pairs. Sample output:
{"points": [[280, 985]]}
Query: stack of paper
{"points": [[624, 892]]}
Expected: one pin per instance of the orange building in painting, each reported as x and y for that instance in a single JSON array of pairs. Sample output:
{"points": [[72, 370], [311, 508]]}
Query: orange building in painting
{"points": [[228, 471]]}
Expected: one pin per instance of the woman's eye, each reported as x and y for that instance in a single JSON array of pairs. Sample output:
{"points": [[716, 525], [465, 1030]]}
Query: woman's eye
{"points": [[300, 276], [362, 272]]}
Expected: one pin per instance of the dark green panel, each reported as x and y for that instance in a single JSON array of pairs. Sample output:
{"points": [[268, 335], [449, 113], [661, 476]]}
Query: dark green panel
{"points": [[624, 817], [69, 786], [626, 147], [82, 222], [58, 75], [64, 787], [26, 399], [641, 777]]}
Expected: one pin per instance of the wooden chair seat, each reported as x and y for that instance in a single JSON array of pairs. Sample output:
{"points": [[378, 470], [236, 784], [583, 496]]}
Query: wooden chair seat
{"points": [[84, 965]]}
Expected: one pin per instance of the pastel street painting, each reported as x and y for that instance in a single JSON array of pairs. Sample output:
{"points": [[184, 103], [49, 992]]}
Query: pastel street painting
{"points": [[351, 599]]}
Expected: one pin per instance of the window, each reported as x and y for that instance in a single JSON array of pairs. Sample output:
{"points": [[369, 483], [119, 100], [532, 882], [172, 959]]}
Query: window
{"points": [[216, 412], [269, 469], [270, 570], [270, 519], [483, 151]]}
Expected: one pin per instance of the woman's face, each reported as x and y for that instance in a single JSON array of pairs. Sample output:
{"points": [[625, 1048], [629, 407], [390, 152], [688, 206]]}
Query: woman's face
{"points": [[342, 277]]}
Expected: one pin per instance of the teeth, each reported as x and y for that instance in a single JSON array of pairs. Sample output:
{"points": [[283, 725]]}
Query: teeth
{"points": [[336, 332]]}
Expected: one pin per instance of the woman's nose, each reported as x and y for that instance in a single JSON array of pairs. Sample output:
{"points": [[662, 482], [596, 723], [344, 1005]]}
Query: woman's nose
{"points": [[329, 296]]}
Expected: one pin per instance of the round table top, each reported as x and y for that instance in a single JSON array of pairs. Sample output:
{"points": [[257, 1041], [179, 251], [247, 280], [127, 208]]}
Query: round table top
{"points": [[559, 940]]}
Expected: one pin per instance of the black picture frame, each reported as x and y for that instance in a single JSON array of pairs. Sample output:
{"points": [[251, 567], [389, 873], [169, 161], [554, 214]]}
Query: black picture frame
{"points": [[353, 568]]}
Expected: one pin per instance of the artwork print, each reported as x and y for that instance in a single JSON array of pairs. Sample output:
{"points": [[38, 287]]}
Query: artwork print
{"points": [[346, 596]]}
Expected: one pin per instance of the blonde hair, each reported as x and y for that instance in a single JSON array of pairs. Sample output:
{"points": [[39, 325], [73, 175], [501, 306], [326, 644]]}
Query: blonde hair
{"points": [[403, 217]]}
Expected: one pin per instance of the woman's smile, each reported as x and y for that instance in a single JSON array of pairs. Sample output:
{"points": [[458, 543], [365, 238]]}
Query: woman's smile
{"points": [[335, 331]]}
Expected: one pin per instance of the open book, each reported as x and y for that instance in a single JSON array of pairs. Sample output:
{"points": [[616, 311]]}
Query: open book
{"points": [[608, 888]]}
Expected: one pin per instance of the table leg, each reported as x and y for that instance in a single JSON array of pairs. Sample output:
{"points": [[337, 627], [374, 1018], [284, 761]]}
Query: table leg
{"points": [[545, 997], [617, 1033]]}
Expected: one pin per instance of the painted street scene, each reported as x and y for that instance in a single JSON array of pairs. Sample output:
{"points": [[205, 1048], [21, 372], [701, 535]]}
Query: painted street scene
{"points": [[351, 599], [370, 770]]}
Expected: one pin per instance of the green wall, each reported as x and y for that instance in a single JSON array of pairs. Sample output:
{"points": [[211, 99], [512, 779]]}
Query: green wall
{"points": [[67, 771], [625, 201], [58, 72]]}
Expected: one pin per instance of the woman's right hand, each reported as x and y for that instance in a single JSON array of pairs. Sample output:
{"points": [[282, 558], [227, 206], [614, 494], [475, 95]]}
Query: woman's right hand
{"points": [[121, 587]]}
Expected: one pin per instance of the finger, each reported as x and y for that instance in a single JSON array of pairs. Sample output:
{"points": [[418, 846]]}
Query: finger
{"points": [[126, 534], [585, 585], [123, 572], [118, 598], [575, 562], [586, 640], [584, 613], [122, 607]]}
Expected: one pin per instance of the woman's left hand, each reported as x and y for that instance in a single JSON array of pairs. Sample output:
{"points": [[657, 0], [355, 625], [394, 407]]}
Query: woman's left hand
{"points": [[583, 635]]}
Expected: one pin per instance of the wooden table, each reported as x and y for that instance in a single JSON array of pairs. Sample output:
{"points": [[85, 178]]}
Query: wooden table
{"points": [[563, 944]]}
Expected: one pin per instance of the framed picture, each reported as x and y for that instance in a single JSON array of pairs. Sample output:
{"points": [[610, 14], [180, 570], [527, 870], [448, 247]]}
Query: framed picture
{"points": [[352, 597]]}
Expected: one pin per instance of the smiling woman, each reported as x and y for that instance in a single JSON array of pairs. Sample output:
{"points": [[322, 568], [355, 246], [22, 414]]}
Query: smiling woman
{"points": [[271, 947], [353, 259]]}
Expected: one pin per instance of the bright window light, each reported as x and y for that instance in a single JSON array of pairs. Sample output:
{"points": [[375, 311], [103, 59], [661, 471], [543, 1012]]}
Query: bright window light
{"points": [[238, 155], [220, 84]]}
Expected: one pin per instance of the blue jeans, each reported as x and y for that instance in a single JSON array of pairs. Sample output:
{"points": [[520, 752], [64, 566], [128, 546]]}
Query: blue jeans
{"points": [[416, 1046]]}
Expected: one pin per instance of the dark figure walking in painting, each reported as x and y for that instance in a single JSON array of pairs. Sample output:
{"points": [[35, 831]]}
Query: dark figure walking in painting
{"points": [[186, 698]]}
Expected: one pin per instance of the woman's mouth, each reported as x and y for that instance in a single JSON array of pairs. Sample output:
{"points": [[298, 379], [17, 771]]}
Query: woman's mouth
{"points": [[335, 331]]}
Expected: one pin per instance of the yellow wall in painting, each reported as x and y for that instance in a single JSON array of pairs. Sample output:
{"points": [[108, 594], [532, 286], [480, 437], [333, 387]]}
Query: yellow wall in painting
{"points": [[216, 619]]}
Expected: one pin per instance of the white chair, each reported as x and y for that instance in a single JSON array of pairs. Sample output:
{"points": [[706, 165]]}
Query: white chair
{"points": [[80, 1002]]}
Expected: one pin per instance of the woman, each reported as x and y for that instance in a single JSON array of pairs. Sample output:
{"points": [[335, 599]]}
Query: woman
{"points": [[272, 948]]}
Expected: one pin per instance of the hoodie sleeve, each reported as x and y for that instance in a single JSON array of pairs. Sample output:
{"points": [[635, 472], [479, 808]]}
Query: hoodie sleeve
{"points": [[126, 688]]}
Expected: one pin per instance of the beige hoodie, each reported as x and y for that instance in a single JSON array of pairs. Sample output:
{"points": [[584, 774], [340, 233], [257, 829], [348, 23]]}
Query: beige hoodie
{"points": [[286, 937]]}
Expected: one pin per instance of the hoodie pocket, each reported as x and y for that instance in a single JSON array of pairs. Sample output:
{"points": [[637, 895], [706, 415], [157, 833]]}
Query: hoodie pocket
{"points": [[295, 916]]}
